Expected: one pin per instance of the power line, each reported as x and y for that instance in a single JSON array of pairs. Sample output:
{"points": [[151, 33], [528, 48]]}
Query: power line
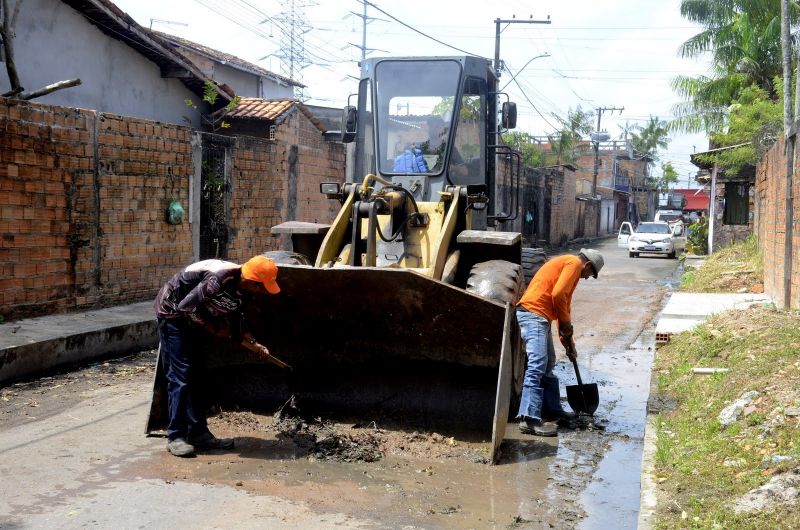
{"points": [[415, 30], [531, 103]]}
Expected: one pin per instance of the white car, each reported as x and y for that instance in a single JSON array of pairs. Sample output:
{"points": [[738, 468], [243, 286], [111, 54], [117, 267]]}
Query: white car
{"points": [[652, 238]]}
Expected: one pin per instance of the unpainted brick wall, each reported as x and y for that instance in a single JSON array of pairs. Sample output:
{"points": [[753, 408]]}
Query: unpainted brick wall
{"points": [[318, 160], [83, 198], [562, 205], [258, 196], [770, 223]]}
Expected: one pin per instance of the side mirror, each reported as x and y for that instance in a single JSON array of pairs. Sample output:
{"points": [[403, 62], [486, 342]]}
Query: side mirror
{"points": [[349, 121], [509, 118]]}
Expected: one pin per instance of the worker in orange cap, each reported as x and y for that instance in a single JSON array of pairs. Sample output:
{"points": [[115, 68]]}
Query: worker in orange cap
{"points": [[206, 296]]}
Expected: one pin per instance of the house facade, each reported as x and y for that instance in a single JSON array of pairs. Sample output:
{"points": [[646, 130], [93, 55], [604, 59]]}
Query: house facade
{"points": [[618, 187], [731, 208], [243, 78], [86, 187], [122, 68]]}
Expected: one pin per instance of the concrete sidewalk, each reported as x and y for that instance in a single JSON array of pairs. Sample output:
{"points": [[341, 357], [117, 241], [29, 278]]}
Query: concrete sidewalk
{"points": [[686, 310], [35, 345]]}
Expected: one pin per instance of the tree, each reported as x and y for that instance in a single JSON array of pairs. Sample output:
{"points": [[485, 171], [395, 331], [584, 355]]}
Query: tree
{"points": [[753, 123], [564, 143], [626, 130], [669, 177], [651, 137], [8, 22], [743, 39], [215, 120], [7, 27], [532, 154]]}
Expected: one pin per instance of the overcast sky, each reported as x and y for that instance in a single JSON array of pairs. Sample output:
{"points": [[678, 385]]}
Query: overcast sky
{"points": [[617, 53]]}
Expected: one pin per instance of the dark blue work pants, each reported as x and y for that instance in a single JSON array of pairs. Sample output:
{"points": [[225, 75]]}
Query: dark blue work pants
{"points": [[183, 360]]}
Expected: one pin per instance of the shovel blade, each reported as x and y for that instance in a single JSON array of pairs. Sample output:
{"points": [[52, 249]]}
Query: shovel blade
{"points": [[583, 398]]}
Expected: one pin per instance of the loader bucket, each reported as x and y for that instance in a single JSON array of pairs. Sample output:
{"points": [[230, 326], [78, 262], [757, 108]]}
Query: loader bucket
{"points": [[377, 344]]}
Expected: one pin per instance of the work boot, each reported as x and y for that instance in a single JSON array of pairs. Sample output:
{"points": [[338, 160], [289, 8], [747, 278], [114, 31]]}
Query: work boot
{"points": [[537, 427], [564, 418], [209, 441], [180, 447]]}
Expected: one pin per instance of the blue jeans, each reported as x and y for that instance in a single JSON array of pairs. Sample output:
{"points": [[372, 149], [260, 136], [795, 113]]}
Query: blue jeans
{"points": [[183, 360], [540, 386]]}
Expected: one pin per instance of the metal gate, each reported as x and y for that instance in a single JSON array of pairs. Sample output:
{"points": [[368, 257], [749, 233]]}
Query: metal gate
{"points": [[215, 191]]}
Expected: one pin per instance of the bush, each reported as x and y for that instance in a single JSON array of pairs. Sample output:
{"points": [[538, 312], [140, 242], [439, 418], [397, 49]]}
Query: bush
{"points": [[697, 238]]}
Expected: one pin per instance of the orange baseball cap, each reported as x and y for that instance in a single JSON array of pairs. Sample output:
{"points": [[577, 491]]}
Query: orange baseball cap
{"points": [[263, 270]]}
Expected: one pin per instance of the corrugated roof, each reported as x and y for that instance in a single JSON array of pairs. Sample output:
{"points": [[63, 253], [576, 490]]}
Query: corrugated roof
{"points": [[275, 110], [225, 58]]}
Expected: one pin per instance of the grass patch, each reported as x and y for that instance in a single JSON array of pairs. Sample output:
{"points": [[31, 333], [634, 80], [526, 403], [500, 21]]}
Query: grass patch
{"points": [[739, 266], [703, 467]]}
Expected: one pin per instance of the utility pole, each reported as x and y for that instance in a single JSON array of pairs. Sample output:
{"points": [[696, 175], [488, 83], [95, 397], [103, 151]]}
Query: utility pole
{"points": [[790, 130], [497, 67], [364, 21], [598, 137]]}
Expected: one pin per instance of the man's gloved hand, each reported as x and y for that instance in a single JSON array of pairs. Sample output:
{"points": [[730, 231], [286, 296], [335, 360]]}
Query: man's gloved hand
{"points": [[565, 332]]}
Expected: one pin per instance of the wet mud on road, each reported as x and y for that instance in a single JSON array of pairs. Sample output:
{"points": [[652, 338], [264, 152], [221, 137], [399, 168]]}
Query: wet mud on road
{"points": [[299, 471]]}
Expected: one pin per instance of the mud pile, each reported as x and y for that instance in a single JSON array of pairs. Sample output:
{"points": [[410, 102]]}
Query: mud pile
{"points": [[324, 441]]}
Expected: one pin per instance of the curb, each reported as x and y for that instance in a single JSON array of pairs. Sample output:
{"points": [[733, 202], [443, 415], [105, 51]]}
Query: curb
{"points": [[37, 345]]}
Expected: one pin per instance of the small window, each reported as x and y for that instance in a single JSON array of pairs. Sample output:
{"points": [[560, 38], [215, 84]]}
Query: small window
{"points": [[272, 132], [737, 201]]}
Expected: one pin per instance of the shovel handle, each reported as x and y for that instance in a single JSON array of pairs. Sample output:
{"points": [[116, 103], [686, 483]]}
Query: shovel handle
{"points": [[577, 372]]}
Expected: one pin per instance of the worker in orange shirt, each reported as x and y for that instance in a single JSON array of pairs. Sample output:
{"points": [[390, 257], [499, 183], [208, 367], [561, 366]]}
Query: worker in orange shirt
{"points": [[549, 298]]}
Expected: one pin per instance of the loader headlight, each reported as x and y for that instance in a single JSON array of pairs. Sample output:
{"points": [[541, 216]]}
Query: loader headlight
{"points": [[329, 188]]}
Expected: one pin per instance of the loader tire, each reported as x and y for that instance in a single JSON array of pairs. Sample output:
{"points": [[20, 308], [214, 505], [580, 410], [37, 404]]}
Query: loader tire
{"points": [[501, 281], [532, 261], [287, 257], [497, 280]]}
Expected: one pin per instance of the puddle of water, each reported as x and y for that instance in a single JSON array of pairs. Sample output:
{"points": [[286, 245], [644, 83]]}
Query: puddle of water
{"points": [[612, 498]]}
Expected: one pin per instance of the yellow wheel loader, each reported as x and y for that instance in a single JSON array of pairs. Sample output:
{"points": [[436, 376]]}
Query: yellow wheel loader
{"points": [[402, 310]]}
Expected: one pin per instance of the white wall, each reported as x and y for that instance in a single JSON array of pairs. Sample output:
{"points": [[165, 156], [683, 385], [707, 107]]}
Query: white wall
{"points": [[251, 85], [54, 43]]}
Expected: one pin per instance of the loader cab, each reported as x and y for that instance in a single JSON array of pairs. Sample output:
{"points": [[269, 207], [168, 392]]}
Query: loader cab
{"points": [[424, 124]]}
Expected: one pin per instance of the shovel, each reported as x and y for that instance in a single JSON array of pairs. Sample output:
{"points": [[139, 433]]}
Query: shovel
{"points": [[582, 398]]}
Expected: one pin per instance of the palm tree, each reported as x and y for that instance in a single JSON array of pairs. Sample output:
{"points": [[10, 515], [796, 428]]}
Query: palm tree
{"points": [[743, 38], [651, 137]]}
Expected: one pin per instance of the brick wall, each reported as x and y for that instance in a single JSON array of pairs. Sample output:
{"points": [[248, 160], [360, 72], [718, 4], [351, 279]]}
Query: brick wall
{"points": [[83, 198], [562, 205], [317, 161], [770, 216], [258, 197]]}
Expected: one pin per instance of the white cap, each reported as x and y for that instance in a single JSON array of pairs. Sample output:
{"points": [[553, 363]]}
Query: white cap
{"points": [[595, 257]]}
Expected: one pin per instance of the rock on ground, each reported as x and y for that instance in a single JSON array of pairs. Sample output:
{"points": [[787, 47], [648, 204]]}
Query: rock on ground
{"points": [[781, 489]]}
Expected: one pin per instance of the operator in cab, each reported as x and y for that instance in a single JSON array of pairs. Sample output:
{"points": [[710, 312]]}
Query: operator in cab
{"points": [[548, 298]]}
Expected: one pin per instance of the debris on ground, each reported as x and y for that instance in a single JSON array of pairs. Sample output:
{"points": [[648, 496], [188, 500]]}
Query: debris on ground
{"points": [[782, 489], [731, 413], [324, 441]]}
